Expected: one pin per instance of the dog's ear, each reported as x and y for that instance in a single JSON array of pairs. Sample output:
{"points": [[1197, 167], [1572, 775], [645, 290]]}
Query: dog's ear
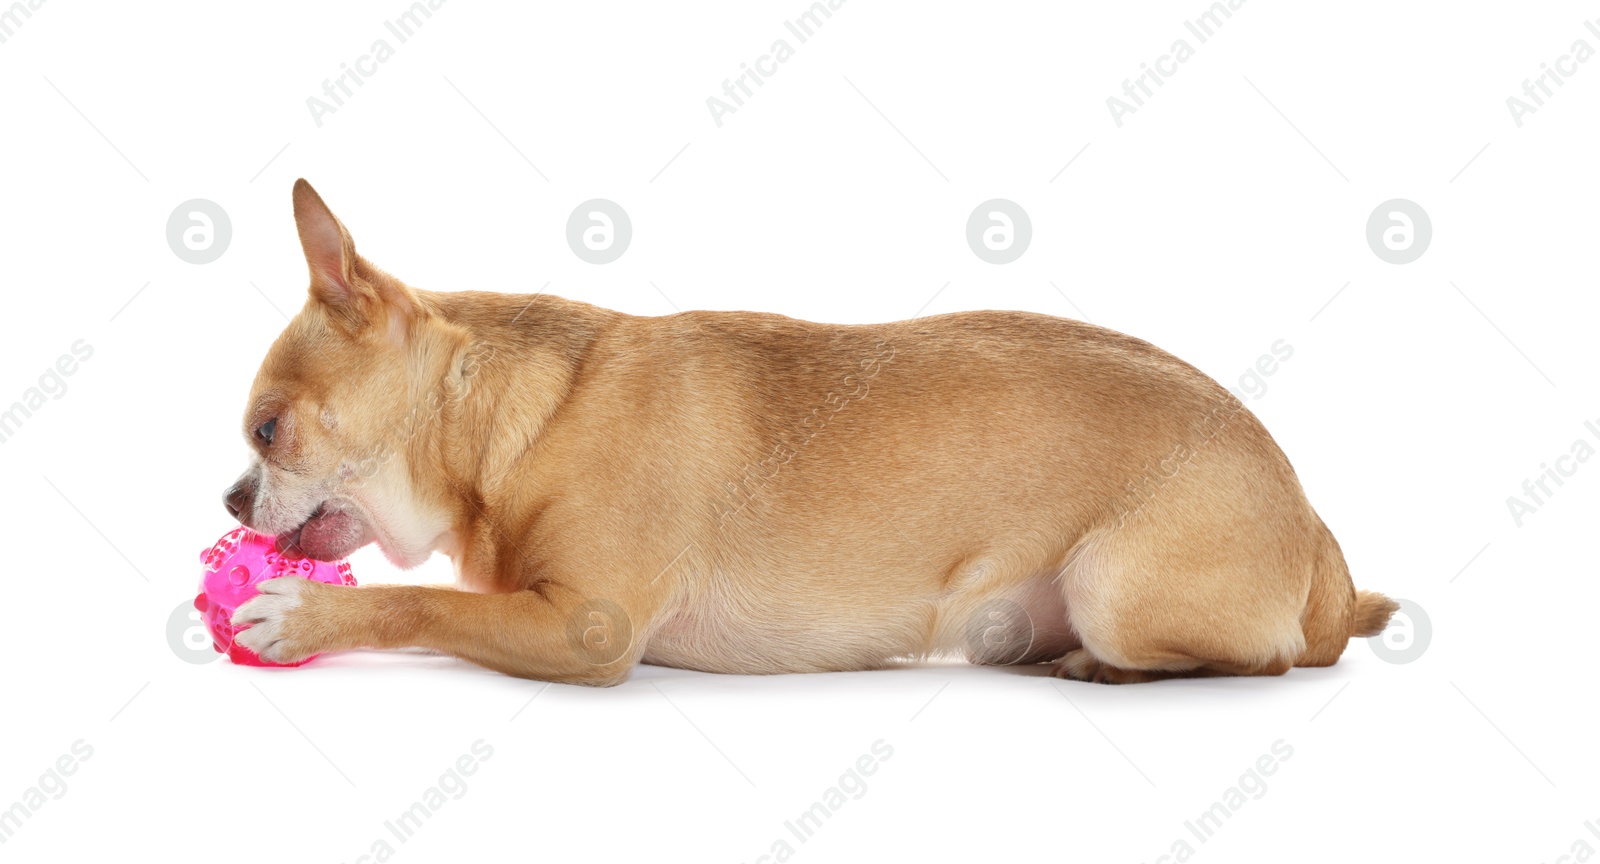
{"points": [[353, 291], [330, 252]]}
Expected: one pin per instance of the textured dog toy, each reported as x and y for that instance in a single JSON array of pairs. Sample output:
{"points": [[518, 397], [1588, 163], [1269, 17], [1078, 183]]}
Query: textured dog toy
{"points": [[238, 563]]}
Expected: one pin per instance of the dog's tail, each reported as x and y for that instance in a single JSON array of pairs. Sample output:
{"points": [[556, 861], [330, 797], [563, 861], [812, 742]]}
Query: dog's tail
{"points": [[1335, 611], [1373, 611]]}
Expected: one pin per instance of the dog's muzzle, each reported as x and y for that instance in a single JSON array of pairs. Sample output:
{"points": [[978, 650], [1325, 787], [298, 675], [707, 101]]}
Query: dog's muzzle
{"points": [[239, 497]]}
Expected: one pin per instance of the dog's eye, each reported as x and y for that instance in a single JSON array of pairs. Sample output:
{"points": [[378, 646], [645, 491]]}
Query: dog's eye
{"points": [[265, 430]]}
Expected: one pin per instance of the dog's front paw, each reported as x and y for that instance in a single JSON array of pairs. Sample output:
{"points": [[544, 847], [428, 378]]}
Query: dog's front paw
{"points": [[289, 620]]}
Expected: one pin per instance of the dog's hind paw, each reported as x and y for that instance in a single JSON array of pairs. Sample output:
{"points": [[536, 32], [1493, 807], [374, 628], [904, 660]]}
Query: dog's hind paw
{"points": [[1080, 665]]}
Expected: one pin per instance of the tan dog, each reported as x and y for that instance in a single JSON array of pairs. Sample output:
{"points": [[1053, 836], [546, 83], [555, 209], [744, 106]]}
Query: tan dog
{"points": [[739, 492]]}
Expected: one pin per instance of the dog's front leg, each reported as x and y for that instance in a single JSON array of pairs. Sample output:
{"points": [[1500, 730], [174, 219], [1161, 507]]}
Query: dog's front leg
{"points": [[552, 636]]}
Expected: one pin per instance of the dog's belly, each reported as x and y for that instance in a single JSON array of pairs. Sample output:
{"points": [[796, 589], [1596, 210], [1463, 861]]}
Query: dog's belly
{"points": [[1004, 623], [715, 635], [1029, 623]]}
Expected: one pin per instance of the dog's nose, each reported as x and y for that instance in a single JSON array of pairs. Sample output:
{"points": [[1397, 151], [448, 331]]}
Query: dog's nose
{"points": [[236, 499]]}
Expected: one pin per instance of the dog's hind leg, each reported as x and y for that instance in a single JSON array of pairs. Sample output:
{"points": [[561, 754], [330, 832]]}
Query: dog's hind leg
{"points": [[1188, 614], [1209, 575]]}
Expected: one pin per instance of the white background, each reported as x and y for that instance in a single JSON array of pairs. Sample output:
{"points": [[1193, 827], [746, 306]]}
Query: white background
{"points": [[1209, 223]]}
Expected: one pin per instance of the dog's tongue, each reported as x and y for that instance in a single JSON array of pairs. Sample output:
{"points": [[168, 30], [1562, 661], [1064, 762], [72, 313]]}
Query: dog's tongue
{"points": [[326, 536]]}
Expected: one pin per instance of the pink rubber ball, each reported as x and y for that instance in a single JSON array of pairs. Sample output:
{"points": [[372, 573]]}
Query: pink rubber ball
{"points": [[239, 562]]}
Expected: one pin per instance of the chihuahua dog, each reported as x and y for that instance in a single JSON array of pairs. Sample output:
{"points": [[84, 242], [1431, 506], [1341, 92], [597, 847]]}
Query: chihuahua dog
{"points": [[748, 493]]}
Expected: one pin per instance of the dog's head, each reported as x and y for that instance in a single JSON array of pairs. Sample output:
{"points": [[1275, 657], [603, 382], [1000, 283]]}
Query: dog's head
{"points": [[340, 407]]}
